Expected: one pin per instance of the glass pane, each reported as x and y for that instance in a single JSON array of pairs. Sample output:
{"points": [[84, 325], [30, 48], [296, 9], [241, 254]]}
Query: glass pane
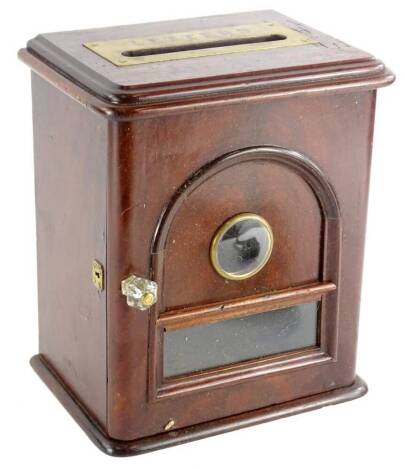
{"points": [[242, 246], [240, 339]]}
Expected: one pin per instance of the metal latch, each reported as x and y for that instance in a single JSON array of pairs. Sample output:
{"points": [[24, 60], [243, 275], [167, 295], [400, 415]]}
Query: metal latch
{"points": [[98, 275]]}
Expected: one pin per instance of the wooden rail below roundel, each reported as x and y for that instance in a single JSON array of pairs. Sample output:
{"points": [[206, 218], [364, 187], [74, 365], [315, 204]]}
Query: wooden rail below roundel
{"points": [[184, 318]]}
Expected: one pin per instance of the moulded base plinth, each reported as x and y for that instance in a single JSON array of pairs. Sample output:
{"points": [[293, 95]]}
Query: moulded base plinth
{"points": [[147, 444]]}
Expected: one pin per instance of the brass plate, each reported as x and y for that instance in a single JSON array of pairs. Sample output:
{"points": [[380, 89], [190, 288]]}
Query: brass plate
{"points": [[198, 43]]}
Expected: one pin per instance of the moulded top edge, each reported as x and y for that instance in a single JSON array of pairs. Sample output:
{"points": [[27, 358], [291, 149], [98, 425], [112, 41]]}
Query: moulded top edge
{"points": [[202, 57]]}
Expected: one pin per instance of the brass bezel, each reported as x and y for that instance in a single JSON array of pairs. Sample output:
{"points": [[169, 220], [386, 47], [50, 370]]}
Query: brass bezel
{"points": [[223, 229]]}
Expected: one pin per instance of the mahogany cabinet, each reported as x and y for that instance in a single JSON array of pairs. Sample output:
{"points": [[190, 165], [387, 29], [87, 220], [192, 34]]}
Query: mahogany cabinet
{"points": [[201, 196]]}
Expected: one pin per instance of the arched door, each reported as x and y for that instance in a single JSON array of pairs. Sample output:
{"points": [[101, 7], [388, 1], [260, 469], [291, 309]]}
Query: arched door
{"points": [[246, 257]]}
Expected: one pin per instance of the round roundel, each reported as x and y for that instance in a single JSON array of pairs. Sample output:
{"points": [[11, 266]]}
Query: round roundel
{"points": [[242, 246]]}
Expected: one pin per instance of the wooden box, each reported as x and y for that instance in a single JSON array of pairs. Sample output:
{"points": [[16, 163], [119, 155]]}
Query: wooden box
{"points": [[201, 195]]}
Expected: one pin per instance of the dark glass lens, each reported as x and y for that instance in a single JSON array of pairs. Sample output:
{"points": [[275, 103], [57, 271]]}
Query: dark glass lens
{"points": [[244, 247]]}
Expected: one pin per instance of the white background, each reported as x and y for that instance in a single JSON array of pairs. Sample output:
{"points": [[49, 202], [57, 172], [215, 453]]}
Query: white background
{"points": [[35, 430]]}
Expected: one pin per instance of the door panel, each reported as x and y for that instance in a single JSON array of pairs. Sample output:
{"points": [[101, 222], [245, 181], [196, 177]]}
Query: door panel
{"points": [[208, 331], [268, 189]]}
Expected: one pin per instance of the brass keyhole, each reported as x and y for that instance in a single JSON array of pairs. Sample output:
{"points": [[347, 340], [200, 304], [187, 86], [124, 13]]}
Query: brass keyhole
{"points": [[98, 275]]}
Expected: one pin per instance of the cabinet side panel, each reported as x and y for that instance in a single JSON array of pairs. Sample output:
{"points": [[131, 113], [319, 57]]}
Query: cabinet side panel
{"points": [[70, 147]]}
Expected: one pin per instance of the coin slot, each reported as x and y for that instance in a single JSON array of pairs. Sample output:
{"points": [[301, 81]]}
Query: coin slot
{"points": [[206, 42], [202, 45]]}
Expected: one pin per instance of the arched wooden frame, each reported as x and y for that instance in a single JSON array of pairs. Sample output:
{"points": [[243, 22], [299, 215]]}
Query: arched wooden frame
{"points": [[329, 275]]}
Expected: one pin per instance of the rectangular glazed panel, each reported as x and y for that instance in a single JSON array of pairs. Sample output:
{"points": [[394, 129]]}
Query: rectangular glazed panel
{"points": [[239, 339]]}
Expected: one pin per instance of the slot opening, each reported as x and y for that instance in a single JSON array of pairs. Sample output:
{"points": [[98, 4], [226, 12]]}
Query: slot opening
{"points": [[202, 45]]}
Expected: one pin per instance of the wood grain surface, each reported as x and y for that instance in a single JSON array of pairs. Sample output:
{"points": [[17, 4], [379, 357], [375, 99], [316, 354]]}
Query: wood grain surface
{"points": [[137, 167]]}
